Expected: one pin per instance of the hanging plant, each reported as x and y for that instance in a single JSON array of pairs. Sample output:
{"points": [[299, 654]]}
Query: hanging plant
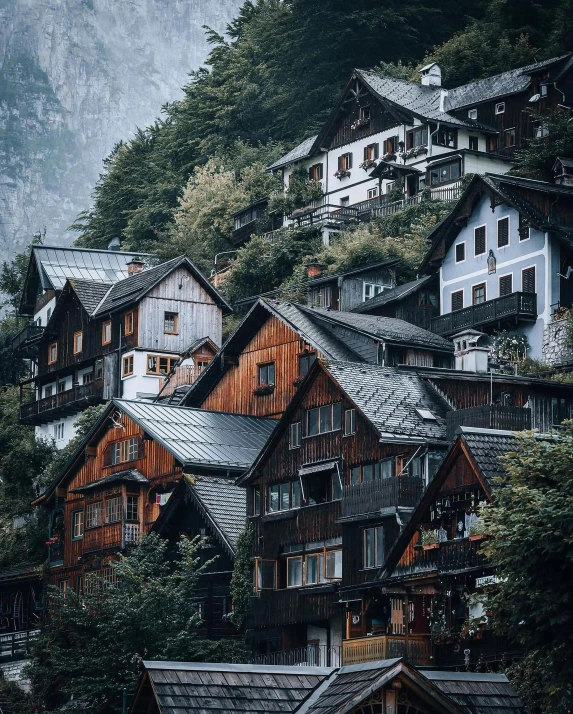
{"points": [[341, 173]]}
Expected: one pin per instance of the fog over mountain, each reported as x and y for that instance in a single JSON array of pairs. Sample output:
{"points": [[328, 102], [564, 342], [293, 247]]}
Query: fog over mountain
{"points": [[76, 76]]}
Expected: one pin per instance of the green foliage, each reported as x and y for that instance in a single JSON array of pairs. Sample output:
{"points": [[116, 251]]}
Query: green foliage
{"points": [[14, 698], [530, 525], [300, 192], [93, 645], [537, 158], [242, 579], [12, 368]]}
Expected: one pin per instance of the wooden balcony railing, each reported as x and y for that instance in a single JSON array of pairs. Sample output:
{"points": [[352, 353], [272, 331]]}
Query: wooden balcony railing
{"points": [[62, 403], [417, 649], [489, 416], [22, 344], [184, 375], [514, 307], [370, 497], [451, 556]]}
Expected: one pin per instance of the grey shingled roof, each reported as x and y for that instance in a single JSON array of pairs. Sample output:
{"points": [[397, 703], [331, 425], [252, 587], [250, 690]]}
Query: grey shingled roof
{"points": [[197, 688], [302, 151], [56, 265], [393, 295], [390, 329], [481, 90], [224, 503], [389, 397], [486, 446], [90, 294], [477, 693], [126, 476], [133, 288], [201, 438]]}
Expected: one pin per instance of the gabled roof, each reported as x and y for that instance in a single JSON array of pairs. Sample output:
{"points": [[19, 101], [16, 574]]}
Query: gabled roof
{"points": [[330, 277], [400, 292], [222, 504], [302, 151], [127, 476], [132, 289], [54, 265], [90, 294], [486, 447], [199, 438]]}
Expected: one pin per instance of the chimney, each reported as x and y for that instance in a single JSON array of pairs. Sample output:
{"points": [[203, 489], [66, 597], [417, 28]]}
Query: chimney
{"points": [[431, 75], [470, 357], [114, 244], [314, 269], [135, 265], [443, 97]]}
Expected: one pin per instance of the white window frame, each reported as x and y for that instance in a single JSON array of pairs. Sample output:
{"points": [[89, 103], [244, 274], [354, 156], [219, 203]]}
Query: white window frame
{"points": [[505, 275], [472, 113], [301, 560], [372, 193], [295, 430], [377, 289], [503, 218], [456, 261], [376, 530], [478, 255], [500, 108], [351, 430], [524, 240], [527, 267]]}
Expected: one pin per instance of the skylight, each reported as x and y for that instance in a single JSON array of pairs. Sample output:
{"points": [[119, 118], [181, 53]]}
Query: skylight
{"points": [[426, 414]]}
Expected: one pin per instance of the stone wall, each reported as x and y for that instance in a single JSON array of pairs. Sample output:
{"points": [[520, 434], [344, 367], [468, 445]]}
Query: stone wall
{"points": [[554, 350]]}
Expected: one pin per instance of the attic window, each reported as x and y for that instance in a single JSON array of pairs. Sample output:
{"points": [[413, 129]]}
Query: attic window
{"points": [[500, 108], [473, 113], [426, 414]]}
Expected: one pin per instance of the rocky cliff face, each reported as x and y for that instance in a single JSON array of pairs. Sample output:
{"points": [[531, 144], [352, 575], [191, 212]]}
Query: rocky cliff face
{"points": [[76, 76]]}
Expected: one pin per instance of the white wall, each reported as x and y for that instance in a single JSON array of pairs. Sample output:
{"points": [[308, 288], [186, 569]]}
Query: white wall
{"points": [[140, 383], [43, 313], [47, 431]]}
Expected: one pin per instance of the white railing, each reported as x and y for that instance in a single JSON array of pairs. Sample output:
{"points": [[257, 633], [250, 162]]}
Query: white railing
{"points": [[131, 534]]}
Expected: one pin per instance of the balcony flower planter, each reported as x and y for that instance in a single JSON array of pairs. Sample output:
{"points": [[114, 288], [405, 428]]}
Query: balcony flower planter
{"points": [[475, 537], [298, 381], [359, 123], [368, 164], [389, 157], [300, 212], [263, 390], [430, 546], [341, 173]]}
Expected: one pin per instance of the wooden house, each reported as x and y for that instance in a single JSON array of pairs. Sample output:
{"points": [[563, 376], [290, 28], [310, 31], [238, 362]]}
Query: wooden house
{"points": [[347, 463], [434, 574], [121, 339], [391, 686], [21, 612], [260, 367], [112, 490]]}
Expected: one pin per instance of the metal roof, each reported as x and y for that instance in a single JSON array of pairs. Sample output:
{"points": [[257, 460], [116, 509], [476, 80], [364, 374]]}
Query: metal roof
{"points": [[224, 502], [393, 295], [56, 265], [302, 151], [201, 438]]}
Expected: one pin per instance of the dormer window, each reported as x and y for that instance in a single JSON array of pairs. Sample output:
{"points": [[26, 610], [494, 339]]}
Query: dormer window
{"points": [[500, 108], [473, 114], [122, 451]]}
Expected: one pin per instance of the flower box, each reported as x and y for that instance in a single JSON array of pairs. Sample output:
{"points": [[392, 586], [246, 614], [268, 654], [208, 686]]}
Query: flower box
{"points": [[341, 173], [430, 546], [264, 389], [298, 381], [359, 123], [389, 157], [477, 536], [368, 164]]}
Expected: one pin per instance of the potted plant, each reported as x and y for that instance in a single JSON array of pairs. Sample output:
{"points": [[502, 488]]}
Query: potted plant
{"points": [[477, 530], [263, 389], [429, 539], [367, 164], [360, 123], [389, 156], [341, 173]]}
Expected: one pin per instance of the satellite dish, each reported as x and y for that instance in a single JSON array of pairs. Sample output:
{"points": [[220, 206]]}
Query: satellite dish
{"points": [[535, 98]]}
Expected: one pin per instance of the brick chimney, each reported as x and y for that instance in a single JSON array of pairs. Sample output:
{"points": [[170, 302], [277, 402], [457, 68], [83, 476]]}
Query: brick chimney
{"points": [[135, 265], [314, 269]]}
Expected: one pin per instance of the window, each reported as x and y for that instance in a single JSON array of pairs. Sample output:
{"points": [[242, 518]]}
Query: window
{"points": [[265, 574], [266, 375], [445, 173], [284, 496], [128, 323], [370, 290], [373, 547], [345, 162], [106, 333], [457, 300], [78, 340], [49, 390], [500, 108], [323, 419], [295, 435], [315, 173], [61, 386], [385, 468], [94, 515], [333, 564], [509, 137], [52, 353], [371, 152], [122, 451], [305, 362], [460, 252], [256, 501], [505, 285], [88, 377], [113, 509], [315, 569], [427, 299], [445, 137], [417, 137], [372, 192], [528, 280], [127, 366], [294, 572], [99, 369], [503, 232], [80, 585], [59, 431], [345, 201], [170, 323], [391, 145], [524, 228], [479, 240], [474, 143], [478, 294], [472, 114], [364, 113], [322, 297], [77, 525], [132, 508], [160, 365], [559, 411], [349, 422]]}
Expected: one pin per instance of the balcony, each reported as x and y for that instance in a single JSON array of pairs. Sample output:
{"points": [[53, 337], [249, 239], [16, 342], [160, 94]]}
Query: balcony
{"points": [[62, 404], [510, 309], [15, 646], [245, 221], [308, 656], [417, 649], [366, 499], [183, 376], [320, 212], [489, 416], [24, 344], [456, 556]]}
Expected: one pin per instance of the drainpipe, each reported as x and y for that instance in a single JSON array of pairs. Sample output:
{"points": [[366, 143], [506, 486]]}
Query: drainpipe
{"points": [[119, 382]]}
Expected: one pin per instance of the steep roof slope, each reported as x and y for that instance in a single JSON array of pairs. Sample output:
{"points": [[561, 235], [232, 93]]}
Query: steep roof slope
{"points": [[400, 292]]}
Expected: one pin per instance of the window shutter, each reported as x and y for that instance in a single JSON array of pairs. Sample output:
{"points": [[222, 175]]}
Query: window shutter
{"points": [[505, 285], [460, 252], [528, 280], [479, 240], [376, 150], [320, 172], [349, 161], [340, 163], [503, 232], [365, 153], [457, 300]]}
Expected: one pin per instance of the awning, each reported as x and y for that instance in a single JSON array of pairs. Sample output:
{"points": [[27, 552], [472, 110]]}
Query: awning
{"points": [[391, 169], [317, 468], [131, 475]]}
